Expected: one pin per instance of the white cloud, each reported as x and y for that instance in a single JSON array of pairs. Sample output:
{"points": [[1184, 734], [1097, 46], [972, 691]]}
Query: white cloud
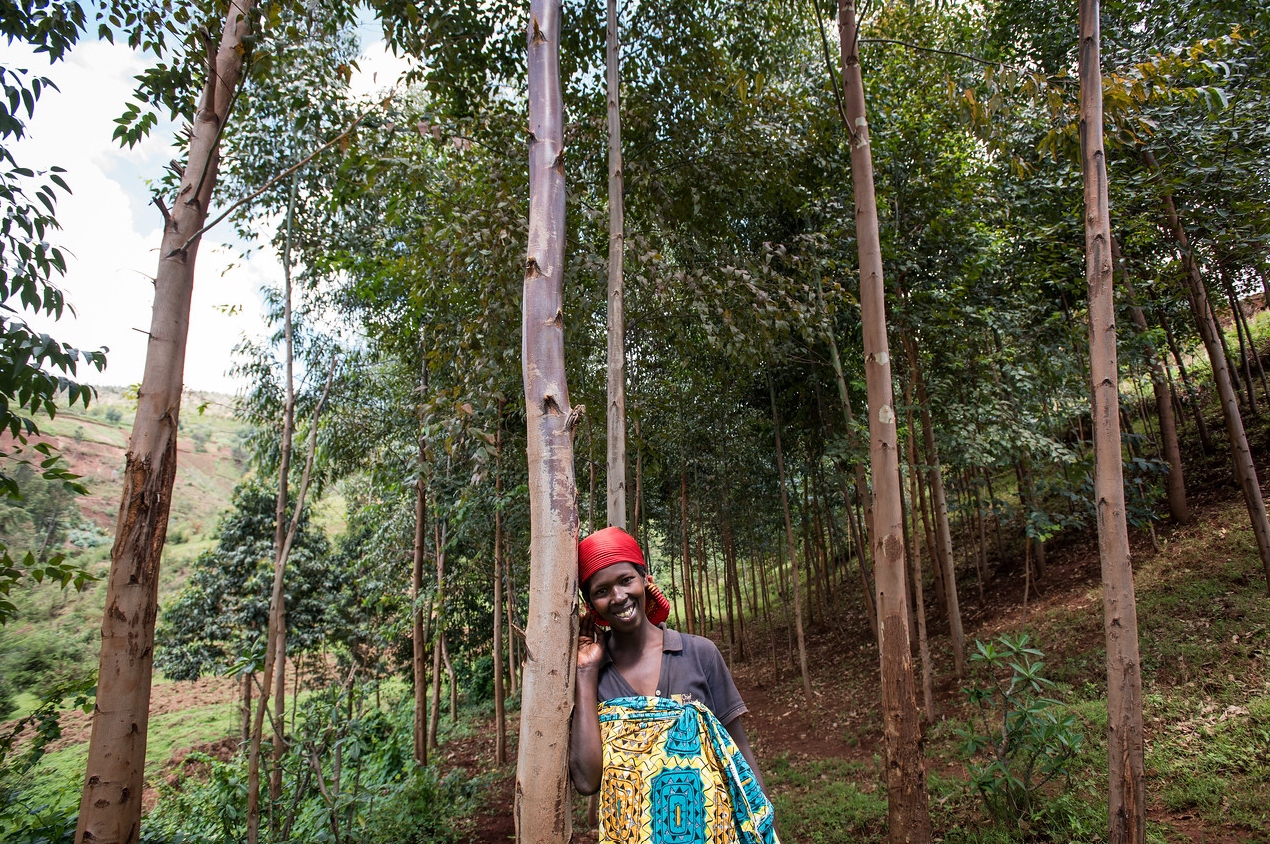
{"points": [[378, 70], [111, 233]]}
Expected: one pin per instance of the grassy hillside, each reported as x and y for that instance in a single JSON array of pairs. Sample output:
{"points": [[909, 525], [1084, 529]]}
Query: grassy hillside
{"points": [[56, 629]]}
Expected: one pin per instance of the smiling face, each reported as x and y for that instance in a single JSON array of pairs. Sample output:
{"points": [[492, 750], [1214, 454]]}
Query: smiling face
{"points": [[617, 595]]}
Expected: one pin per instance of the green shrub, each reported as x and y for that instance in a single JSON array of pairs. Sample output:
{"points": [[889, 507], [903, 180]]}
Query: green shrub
{"points": [[24, 820], [425, 809], [1024, 742]]}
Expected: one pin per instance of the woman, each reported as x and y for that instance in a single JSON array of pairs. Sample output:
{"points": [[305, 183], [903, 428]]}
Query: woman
{"points": [[657, 728]]}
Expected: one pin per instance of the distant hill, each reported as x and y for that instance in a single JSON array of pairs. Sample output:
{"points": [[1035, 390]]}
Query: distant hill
{"points": [[210, 457], [55, 633]]}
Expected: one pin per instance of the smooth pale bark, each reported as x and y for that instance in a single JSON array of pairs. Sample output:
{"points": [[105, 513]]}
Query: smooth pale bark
{"points": [[1175, 484], [500, 704], [793, 559], [1126, 808], [616, 325], [110, 803], [939, 505], [280, 512], [1245, 470], [276, 643], [908, 813], [542, 809]]}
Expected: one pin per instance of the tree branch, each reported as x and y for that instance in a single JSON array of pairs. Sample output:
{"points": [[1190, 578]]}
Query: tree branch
{"points": [[922, 49], [287, 172]]}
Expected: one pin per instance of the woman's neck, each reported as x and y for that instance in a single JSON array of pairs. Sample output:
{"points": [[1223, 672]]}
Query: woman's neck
{"points": [[628, 647]]}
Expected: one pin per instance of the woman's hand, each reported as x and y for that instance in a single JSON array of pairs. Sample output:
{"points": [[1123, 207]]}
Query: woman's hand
{"points": [[590, 649], [586, 756]]}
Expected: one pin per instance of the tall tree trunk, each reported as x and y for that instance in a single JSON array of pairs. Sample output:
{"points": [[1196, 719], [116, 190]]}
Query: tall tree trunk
{"points": [[500, 703], [1246, 343], [939, 507], [590, 468], [420, 643], [1175, 485], [853, 525], [450, 678], [689, 611], [923, 645], [639, 484], [617, 331], [1029, 498], [1192, 395], [739, 602], [1232, 367], [543, 808], [437, 625], [793, 559], [929, 533], [275, 644], [1245, 470], [861, 478], [513, 666], [1126, 792], [909, 814], [110, 803], [767, 617], [249, 679], [280, 511], [419, 651]]}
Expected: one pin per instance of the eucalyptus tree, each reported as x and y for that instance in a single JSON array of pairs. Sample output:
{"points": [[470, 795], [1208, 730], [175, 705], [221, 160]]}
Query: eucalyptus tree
{"points": [[1126, 788], [110, 807], [616, 404], [906, 777]]}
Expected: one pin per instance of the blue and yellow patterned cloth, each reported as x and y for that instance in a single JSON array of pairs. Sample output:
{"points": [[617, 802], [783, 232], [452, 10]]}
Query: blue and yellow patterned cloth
{"points": [[673, 775]]}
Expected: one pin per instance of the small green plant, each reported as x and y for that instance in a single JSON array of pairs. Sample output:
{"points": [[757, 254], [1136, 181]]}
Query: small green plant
{"points": [[1019, 741]]}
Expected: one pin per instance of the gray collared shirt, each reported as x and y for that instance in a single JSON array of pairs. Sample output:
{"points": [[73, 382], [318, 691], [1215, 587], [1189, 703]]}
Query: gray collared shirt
{"points": [[690, 666]]}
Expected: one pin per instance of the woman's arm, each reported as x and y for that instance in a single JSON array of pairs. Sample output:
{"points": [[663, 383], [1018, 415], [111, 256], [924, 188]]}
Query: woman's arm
{"points": [[586, 755], [737, 730]]}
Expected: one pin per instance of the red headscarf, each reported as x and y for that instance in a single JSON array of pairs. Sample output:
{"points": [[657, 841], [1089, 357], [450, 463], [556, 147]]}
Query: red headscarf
{"points": [[613, 545]]}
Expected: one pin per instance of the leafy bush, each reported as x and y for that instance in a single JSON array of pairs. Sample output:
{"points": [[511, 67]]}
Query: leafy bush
{"points": [[424, 809], [22, 820], [1024, 742], [348, 776]]}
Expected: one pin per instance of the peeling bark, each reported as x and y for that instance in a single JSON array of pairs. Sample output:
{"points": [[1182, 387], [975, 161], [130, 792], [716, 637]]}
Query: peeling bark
{"points": [[110, 804], [542, 807]]}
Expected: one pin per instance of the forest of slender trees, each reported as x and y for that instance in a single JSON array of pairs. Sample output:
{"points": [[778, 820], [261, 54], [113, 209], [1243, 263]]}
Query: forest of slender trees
{"points": [[861, 356]]}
